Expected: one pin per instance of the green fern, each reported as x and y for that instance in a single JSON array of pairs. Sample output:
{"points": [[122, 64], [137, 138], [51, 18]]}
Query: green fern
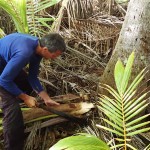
{"points": [[124, 106]]}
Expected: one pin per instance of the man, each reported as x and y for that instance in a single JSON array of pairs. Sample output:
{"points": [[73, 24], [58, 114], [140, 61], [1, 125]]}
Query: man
{"points": [[16, 51]]}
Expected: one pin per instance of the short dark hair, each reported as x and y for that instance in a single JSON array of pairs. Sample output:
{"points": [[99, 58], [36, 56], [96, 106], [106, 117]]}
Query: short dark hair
{"points": [[53, 42]]}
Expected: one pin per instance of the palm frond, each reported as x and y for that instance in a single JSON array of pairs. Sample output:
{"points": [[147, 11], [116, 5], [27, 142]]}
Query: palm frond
{"points": [[125, 105], [17, 10], [38, 20]]}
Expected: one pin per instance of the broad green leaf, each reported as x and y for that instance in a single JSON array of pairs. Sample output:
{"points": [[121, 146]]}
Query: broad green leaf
{"points": [[86, 147], [118, 74], [83, 139], [127, 73], [22, 9]]}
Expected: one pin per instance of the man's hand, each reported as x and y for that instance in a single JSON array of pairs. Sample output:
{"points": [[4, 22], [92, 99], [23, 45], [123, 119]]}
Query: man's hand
{"points": [[48, 101], [28, 100]]}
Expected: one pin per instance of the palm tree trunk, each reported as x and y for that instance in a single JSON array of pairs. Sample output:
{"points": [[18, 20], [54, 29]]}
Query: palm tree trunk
{"points": [[134, 35]]}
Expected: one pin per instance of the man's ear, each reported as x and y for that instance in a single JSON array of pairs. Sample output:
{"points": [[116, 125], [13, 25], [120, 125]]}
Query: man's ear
{"points": [[45, 48]]}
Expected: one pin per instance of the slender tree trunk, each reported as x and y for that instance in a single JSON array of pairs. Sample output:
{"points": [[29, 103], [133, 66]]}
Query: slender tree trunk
{"points": [[134, 35]]}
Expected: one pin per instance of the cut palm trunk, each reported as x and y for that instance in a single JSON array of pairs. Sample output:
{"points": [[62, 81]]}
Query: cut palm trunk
{"points": [[75, 109]]}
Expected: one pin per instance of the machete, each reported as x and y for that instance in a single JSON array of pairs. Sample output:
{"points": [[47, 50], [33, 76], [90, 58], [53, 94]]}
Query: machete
{"points": [[70, 117]]}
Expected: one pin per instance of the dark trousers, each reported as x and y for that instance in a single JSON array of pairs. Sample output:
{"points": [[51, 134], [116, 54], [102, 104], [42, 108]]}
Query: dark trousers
{"points": [[13, 125]]}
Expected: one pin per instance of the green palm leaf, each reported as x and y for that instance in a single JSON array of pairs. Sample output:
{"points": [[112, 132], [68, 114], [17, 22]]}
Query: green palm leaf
{"points": [[112, 116], [108, 102], [45, 4], [118, 73], [111, 130], [81, 141], [113, 125], [17, 10], [27, 18], [137, 120], [127, 73], [130, 103], [39, 25], [124, 105], [112, 101], [135, 83], [139, 109]]}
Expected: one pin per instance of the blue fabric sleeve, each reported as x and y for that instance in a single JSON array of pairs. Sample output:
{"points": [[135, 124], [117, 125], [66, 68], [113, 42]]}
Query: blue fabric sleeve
{"points": [[33, 73], [11, 70]]}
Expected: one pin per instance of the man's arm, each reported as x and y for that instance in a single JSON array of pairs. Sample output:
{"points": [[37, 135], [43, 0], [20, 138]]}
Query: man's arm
{"points": [[11, 70], [48, 101], [35, 83]]}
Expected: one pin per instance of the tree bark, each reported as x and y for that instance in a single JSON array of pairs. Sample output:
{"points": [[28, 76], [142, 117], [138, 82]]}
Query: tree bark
{"points": [[134, 35]]}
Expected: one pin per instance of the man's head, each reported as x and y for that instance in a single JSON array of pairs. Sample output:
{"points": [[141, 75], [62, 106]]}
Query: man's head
{"points": [[51, 46]]}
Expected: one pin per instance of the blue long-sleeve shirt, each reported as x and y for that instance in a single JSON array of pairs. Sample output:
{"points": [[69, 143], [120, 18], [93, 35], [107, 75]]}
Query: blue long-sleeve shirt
{"points": [[16, 51]]}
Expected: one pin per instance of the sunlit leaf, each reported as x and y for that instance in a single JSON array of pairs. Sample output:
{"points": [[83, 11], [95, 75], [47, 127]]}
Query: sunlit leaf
{"points": [[138, 131], [134, 84], [118, 74], [109, 129], [127, 73], [137, 120], [113, 125], [134, 103], [89, 141], [137, 126], [139, 109]]}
